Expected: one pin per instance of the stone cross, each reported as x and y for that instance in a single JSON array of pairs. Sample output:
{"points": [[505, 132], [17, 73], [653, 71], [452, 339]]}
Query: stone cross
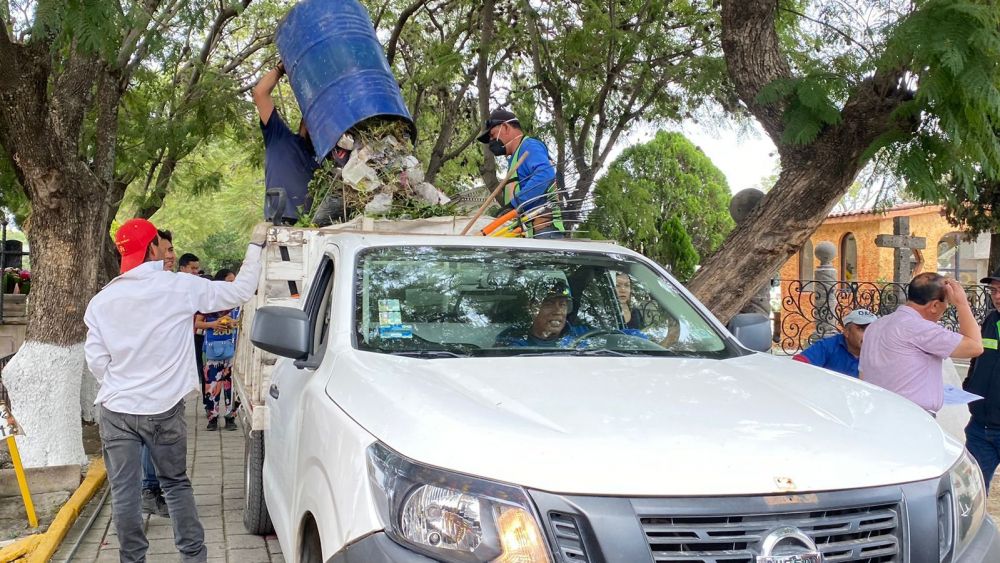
{"points": [[902, 243]]}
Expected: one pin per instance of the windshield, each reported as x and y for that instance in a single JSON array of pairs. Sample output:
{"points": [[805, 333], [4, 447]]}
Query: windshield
{"points": [[454, 302]]}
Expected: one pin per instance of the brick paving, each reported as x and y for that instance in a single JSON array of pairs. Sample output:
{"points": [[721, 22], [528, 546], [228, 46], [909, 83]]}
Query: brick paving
{"points": [[215, 465]]}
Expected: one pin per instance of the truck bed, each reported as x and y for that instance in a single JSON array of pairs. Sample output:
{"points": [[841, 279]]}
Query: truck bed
{"points": [[289, 261]]}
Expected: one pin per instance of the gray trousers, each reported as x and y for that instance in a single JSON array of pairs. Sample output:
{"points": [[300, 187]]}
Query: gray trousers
{"points": [[165, 434]]}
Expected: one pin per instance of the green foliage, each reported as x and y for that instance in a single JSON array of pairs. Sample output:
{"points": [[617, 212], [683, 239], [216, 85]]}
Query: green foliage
{"points": [[655, 190], [975, 213], [809, 105], [603, 66], [90, 26], [943, 145], [677, 250], [214, 225], [953, 49]]}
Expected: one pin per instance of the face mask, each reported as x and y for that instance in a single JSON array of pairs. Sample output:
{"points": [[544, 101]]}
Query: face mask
{"points": [[497, 148]]}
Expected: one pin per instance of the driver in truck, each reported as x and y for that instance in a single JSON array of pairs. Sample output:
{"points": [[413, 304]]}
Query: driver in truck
{"points": [[549, 326]]}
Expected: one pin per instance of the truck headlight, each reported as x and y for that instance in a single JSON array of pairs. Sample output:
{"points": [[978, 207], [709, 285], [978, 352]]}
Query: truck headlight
{"points": [[969, 496], [451, 516]]}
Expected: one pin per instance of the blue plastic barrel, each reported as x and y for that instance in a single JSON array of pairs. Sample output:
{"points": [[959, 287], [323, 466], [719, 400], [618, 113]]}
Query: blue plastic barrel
{"points": [[337, 69]]}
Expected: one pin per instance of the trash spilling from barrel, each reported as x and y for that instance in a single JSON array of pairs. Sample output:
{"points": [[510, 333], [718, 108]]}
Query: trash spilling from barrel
{"points": [[381, 177], [358, 123]]}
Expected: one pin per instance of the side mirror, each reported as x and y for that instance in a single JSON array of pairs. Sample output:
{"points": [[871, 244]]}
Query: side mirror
{"points": [[753, 330], [281, 330]]}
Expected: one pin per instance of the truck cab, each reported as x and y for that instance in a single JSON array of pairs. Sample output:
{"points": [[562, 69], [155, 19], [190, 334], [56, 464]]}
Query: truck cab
{"points": [[418, 396]]}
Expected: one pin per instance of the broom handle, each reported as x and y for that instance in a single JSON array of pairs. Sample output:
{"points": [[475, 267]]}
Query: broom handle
{"points": [[510, 172]]}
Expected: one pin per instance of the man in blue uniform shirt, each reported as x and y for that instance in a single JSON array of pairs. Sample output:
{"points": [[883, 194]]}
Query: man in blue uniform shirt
{"points": [[289, 158], [840, 352], [535, 184]]}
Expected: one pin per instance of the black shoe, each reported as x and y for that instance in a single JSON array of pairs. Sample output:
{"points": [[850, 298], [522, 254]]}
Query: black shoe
{"points": [[161, 506], [149, 497], [230, 423], [213, 424]]}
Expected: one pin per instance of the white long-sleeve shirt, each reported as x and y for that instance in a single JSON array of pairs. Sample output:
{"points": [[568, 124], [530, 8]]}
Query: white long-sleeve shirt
{"points": [[139, 344]]}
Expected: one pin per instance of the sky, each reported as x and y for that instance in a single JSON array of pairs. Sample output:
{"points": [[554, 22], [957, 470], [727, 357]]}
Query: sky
{"points": [[745, 160]]}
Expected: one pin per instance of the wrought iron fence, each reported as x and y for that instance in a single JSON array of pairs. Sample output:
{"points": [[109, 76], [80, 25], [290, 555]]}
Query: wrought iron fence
{"points": [[805, 316]]}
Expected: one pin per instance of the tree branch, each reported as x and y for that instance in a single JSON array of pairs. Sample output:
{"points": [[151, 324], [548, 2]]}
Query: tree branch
{"points": [[833, 28], [753, 57], [390, 51], [224, 16], [247, 52]]}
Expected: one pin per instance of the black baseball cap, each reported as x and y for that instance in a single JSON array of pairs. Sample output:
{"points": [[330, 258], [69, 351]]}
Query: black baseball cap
{"points": [[497, 117], [994, 277], [550, 287]]}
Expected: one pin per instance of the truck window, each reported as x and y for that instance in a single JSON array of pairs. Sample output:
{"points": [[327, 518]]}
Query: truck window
{"points": [[460, 301], [318, 304]]}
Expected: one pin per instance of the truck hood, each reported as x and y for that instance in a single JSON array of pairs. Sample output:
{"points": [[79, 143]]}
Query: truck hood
{"points": [[756, 424]]}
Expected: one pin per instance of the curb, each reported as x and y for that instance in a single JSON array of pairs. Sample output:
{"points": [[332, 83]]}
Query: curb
{"points": [[20, 548], [39, 548]]}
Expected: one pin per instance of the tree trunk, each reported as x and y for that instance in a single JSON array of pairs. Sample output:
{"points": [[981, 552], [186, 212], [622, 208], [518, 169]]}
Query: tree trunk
{"points": [[40, 128], [578, 195], [48, 369], [154, 201], [488, 170], [810, 184], [448, 125], [814, 176]]}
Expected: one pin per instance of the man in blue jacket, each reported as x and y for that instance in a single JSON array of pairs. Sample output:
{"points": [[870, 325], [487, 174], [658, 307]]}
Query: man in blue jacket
{"points": [[535, 185]]}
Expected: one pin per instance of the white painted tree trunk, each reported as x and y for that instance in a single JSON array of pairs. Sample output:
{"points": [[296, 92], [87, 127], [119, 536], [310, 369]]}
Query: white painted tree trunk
{"points": [[88, 394], [44, 385]]}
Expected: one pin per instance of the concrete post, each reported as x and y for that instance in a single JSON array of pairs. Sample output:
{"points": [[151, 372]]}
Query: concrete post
{"points": [[824, 292], [740, 207]]}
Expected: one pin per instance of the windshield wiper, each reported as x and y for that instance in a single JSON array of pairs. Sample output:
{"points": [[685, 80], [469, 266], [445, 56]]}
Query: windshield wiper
{"points": [[600, 352], [428, 354], [573, 352]]}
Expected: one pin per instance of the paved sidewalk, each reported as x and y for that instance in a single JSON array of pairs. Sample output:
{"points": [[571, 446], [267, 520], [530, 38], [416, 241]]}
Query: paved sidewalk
{"points": [[215, 465]]}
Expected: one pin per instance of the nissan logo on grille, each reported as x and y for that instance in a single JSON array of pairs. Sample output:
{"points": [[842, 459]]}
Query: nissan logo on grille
{"points": [[788, 545]]}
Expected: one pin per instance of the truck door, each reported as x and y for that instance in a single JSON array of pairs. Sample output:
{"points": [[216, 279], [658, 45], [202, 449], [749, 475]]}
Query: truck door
{"points": [[289, 382]]}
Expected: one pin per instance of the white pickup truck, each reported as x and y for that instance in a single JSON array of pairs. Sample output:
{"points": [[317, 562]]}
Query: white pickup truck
{"points": [[412, 396]]}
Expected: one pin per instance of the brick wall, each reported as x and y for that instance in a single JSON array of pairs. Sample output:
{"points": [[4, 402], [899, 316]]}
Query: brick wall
{"points": [[875, 263]]}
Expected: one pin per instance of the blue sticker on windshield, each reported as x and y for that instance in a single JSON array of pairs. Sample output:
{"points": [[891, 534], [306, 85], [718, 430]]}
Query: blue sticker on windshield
{"points": [[396, 331]]}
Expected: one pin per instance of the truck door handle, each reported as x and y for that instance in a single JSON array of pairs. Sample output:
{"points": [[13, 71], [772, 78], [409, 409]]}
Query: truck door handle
{"points": [[273, 391]]}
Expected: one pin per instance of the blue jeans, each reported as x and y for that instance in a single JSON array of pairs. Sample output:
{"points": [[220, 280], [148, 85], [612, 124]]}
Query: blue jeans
{"points": [[984, 445], [149, 480]]}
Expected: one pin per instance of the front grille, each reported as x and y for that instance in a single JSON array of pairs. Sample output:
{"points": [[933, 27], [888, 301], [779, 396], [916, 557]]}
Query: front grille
{"points": [[866, 534]]}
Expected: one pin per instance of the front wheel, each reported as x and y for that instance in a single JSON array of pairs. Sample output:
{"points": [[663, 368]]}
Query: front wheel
{"points": [[255, 517]]}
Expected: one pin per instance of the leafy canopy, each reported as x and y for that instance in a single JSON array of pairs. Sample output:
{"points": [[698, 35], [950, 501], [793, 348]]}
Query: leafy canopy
{"points": [[947, 53], [666, 200]]}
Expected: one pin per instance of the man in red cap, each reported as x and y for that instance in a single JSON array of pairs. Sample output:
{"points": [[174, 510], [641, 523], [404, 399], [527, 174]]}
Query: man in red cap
{"points": [[140, 350]]}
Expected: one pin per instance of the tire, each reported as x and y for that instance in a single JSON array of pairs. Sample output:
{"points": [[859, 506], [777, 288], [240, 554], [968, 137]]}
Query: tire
{"points": [[312, 549], [255, 517]]}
